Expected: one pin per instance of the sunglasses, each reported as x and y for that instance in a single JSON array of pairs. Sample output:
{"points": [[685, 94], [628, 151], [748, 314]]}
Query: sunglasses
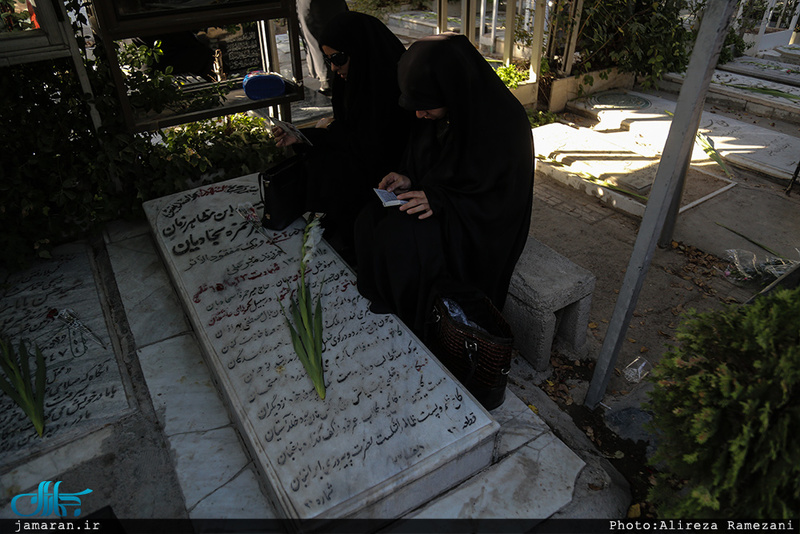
{"points": [[338, 59]]}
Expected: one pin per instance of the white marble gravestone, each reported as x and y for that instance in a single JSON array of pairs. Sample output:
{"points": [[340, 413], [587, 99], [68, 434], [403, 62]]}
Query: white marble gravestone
{"points": [[394, 430], [55, 305]]}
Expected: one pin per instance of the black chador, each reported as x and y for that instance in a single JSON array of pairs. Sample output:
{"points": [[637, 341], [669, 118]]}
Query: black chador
{"points": [[368, 135], [474, 164]]}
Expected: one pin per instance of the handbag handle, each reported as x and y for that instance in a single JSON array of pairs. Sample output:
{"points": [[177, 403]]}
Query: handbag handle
{"points": [[471, 352], [263, 184]]}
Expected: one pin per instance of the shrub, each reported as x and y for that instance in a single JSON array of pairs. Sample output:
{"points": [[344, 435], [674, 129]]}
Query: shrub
{"points": [[511, 75], [647, 38], [61, 181], [726, 407], [540, 118]]}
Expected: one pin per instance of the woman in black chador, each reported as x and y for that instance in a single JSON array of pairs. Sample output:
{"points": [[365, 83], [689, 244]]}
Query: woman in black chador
{"points": [[468, 179], [368, 134]]}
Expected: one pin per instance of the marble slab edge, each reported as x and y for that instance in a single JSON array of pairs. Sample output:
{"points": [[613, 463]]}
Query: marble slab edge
{"points": [[480, 447], [379, 497], [151, 209]]}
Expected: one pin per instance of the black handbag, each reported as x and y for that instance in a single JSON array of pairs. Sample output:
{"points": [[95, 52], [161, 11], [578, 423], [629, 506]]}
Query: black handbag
{"points": [[283, 193], [478, 352]]}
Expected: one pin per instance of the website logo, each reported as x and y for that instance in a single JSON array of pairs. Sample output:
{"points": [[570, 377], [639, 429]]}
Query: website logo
{"points": [[47, 501]]}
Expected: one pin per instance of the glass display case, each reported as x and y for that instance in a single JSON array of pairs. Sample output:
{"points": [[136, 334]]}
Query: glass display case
{"points": [[32, 31], [210, 43]]}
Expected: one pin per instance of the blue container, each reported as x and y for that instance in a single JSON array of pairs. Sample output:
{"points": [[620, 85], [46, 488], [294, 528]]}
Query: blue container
{"points": [[259, 85]]}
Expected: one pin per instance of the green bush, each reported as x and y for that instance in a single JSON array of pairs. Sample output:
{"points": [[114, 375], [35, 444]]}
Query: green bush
{"points": [[647, 38], [733, 47], [540, 118], [726, 407], [511, 75]]}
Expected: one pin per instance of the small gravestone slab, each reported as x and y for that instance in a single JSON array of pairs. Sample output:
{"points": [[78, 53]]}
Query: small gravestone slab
{"points": [[394, 430], [589, 154], [56, 305], [241, 54]]}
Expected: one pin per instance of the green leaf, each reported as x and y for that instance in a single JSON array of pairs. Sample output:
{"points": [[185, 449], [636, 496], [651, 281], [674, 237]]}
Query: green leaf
{"points": [[38, 399], [26, 371], [9, 390], [17, 385], [301, 333]]}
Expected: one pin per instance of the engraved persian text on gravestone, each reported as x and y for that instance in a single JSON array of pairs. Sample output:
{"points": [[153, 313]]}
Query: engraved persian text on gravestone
{"points": [[55, 306], [391, 414]]}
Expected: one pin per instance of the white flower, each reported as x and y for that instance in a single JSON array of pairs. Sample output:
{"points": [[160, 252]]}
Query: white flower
{"points": [[312, 239]]}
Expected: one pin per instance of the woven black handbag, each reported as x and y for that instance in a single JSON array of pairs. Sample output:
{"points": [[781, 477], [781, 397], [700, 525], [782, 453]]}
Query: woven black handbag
{"points": [[283, 192], [478, 354]]}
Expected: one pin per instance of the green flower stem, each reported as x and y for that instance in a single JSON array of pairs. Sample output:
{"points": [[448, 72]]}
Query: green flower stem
{"points": [[305, 325], [17, 382]]}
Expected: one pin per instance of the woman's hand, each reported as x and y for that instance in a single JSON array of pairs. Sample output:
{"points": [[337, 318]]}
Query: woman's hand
{"points": [[417, 203], [395, 182], [282, 138], [324, 122]]}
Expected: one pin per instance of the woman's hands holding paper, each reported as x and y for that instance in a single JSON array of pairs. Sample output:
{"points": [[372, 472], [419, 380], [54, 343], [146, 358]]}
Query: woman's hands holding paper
{"points": [[417, 200]]}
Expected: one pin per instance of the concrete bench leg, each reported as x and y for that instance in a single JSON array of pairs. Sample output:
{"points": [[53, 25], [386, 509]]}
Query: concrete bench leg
{"points": [[572, 327], [548, 302], [532, 331]]}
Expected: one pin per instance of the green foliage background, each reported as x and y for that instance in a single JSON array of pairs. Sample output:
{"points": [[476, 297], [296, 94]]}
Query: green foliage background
{"points": [[511, 75], [60, 180], [645, 37], [726, 407]]}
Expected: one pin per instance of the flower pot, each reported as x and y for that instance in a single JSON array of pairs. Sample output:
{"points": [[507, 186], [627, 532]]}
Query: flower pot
{"points": [[563, 90], [525, 92]]}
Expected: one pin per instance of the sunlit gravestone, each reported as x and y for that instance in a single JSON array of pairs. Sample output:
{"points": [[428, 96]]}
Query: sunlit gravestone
{"points": [[394, 430]]}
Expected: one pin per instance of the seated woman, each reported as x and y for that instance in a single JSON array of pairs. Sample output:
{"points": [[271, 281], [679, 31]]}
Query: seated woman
{"points": [[369, 130], [468, 180]]}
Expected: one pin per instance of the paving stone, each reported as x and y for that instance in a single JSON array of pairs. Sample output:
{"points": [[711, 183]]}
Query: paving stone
{"points": [[518, 425], [206, 461], [536, 482], [241, 498], [180, 385], [151, 305]]}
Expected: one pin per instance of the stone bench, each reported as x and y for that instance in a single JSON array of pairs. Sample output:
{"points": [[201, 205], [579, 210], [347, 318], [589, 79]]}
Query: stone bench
{"points": [[548, 301]]}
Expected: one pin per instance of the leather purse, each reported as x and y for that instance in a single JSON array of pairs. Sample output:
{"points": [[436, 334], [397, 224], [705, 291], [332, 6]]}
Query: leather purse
{"points": [[478, 354], [283, 193]]}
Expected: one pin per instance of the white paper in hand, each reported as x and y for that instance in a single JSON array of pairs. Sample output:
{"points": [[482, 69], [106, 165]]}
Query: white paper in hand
{"points": [[290, 129], [388, 198]]}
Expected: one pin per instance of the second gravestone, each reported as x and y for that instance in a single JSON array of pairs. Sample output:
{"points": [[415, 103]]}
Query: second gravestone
{"points": [[394, 430]]}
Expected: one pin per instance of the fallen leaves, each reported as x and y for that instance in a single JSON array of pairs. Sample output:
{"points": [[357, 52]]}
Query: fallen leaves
{"points": [[566, 370], [700, 267], [678, 310]]}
